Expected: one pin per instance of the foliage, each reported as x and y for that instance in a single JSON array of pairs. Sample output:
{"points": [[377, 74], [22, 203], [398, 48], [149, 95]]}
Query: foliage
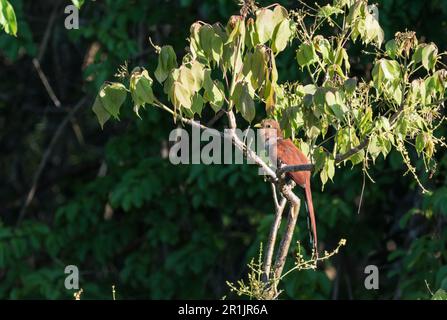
{"points": [[145, 225], [400, 107], [258, 289]]}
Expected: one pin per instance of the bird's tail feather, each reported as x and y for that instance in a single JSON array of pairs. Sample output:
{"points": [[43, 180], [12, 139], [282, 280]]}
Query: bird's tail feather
{"points": [[310, 209]]}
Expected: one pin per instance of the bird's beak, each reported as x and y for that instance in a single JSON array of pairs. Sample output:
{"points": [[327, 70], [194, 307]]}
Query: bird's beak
{"points": [[258, 125]]}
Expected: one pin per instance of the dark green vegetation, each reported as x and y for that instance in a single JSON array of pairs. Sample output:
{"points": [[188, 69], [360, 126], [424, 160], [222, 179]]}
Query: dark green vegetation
{"points": [[108, 202]]}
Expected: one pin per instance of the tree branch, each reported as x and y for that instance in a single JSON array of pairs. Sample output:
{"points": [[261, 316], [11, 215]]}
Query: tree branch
{"points": [[287, 195], [292, 168], [216, 117], [295, 204], [342, 157], [279, 208], [46, 157]]}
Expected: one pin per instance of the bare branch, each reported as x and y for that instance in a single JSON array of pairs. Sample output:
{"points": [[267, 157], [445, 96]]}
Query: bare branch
{"points": [[279, 209], [46, 83], [293, 168], [45, 158], [275, 196], [295, 204], [342, 157]]}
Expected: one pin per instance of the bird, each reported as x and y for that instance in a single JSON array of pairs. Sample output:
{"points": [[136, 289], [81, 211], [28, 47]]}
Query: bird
{"points": [[285, 152]]}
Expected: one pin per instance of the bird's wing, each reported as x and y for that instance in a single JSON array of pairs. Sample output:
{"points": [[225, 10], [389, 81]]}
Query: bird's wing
{"points": [[289, 154]]}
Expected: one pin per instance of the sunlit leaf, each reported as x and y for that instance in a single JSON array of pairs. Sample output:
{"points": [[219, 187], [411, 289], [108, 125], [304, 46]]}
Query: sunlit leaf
{"points": [[265, 24], [281, 36], [8, 20], [101, 113], [306, 54], [243, 101], [141, 89], [112, 97], [167, 60]]}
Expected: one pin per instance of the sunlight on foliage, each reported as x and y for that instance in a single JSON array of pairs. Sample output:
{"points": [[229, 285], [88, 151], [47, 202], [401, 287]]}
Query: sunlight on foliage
{"points": [[343, 118], [8, 20], [256, 288]]}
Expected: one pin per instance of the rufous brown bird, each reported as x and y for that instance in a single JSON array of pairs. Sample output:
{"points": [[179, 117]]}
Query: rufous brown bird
{"points": [[286, 153]]}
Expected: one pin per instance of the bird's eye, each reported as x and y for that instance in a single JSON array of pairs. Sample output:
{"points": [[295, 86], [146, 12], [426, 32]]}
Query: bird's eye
{"points": [[269, 126]]}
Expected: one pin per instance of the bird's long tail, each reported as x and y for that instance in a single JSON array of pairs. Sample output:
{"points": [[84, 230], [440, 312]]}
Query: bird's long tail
{"points": [[310, 206]]}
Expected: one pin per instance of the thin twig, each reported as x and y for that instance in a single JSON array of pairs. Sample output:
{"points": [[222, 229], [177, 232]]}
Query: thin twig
{"points": [[46, 84], [41, 53], [46, 157], [362, 192], [342, 157], [47, 34], [275, 196], [216, 117]]}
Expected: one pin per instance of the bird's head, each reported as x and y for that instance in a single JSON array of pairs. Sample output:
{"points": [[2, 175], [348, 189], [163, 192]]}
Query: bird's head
{"points": [[269, 128]]}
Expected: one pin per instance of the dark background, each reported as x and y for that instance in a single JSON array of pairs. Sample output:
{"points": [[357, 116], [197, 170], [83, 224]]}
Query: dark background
{"points": [[108, 202]]}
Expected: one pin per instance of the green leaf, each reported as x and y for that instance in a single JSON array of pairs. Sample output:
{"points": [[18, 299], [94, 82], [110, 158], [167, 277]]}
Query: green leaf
{"points": [[8, 20], [328, 10], [281, 36], [385, 71], [112, 97], [243, 101], [440, 295], [265, 24], [141, 89], [216, 48], [306, 54], [420, 142], [385, 145], [214, 92], [324, 47], [374, 32], [384, 124], [181, 95], [350, 85], [194, 42], [323, 177], [279, 14], [374, 147], [211, 43], [342, 56], [330, 164], [391, 48], [429, 56], [258, 67], [343, 3], [335, 103], [186, 78], [252, 39], [402, 127], [78, 3], [206, 33], [198, 74], [101, 113], [167, 60], [236, 29], [328, 170], [197, 104]]}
